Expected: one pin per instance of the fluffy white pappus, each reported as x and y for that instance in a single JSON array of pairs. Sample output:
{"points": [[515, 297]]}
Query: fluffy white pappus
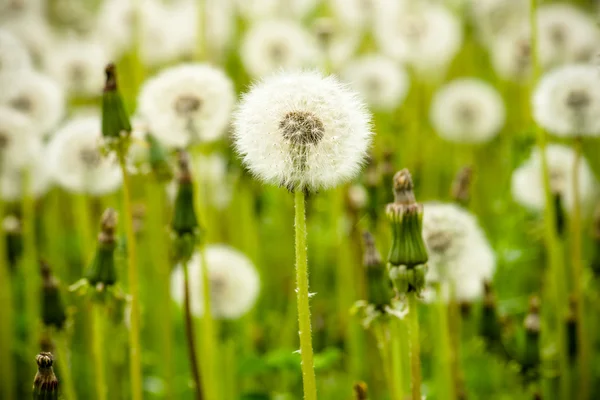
{"points": [[271, 45], [78, 65], [260, 9], [460, 255], [425, 36], [302, 130], [566, 35], [338, 43], [355, 14], [381, 81], [528, 187], [37, 96], [234, 283], [510, 54], [76, 161], [35, 173], [114, 24], [187, 104], [34, 31], [497, 17], [13, 54], [18, 139], [566, 101], [467, 110]]}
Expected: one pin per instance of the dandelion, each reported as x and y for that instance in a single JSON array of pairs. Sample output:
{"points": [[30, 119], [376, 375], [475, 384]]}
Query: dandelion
{"points": [[511, 54], [187, 104], [527, 185], [460, 257], [355, 14], [380, 80], [34, 31], [566, 101], [277, 44], [18, 139], [338, 43], [76, 161], [302, 131], [260, 9], [38, 180], [115, 22], [497, 17], [36, 96], [234, 283], [467, 110], [45, 384], [13, 54]]}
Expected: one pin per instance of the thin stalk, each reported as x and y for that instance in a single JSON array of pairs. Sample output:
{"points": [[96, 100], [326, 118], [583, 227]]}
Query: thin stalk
{"points": [[454, 320], [7, 379], [64, 368], [577, 269], [309, 381], [82, 221], [189, 333], [98, 351], [135, 365], [415, 348], [209, 342], [201, 38], [396, 361], [379, 332], [445, 349]]}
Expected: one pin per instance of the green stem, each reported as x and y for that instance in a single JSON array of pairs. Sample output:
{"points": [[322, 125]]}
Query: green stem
{"points": [[98, 351], [189, 333], [82, 221], [209, 342], [7, 379], [306, 351], [577, 269], [396, 362], [64, 368], [415, 348], [445, 350], [201, 39], [379, 332], [135, 365]]}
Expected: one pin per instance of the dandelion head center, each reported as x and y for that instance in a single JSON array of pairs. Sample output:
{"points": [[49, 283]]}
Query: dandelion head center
{"points": [[466, 113], [277, 52], [558, 34], [22, 103], [77, 73], [373, 85], [577, 100], [4, 141], [187, 105], [302, 128], [439, 242], [557, 181], [90, 157], [218, 284], [415, 28]]}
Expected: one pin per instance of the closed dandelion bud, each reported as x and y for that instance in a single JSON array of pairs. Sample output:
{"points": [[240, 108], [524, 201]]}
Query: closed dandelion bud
{"points": [[531, 355], [158, 159], [184, 214], [102, 270], [461, 187], [45, 384], [360, 391], [571, 329], [379, 290], [14, 239], [115, 121], [489, 325], [53, 310]]}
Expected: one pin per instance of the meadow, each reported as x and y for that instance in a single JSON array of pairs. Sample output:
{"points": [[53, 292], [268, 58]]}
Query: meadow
{"points": [[299, 199]]}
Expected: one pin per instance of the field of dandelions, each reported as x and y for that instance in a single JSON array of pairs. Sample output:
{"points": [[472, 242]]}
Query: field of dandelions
{"points": [[299, 199]]}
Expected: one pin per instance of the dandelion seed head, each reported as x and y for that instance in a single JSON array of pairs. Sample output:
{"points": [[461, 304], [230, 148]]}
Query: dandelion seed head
{"points": [[187, 104], [260, 9], [34, 31], [302, 130], [13, 54], [12, 178], [497, 17], [355, 14], [19, 139], [467, 110], [511, 54], [75, 159], [234, 282], [337, 43]]}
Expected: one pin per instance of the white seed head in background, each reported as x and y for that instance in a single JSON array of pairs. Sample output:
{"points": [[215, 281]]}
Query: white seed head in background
{"points": [[337, 43], [302, 130], [187, 104], [36, 96], [566, 101], [19, 139], [459, 253], [76, 161], [38, 174], [263, 9], [381, 81], [355, 14], [234, 283], [34, 31], [510, 54], [528, 188], [497, 17], [271, 45], [11, 9], [467, 110], [13, 54]]}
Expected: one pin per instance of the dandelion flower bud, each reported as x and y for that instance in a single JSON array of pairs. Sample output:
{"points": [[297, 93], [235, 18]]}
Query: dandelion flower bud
{"points": [[360, 391], [13, 54], [75, 159], [566, 101], [234, 283], [45, 384], [53, 309], [277, 44], [115, 121], [187, 104], [184, 215], [467, 110], [102, 271], [528, 188], [302, 130], [379, 287]]}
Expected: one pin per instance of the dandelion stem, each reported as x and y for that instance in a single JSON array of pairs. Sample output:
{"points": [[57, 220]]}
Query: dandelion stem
{"points": [[6, 315], [209, 343], [82, 215], [189, 332], [98, 351], [415, 350], [396, 363], [135, 369], [64, 369], [445, 350], [379, 331], [306, 350], [577, 270], [201, 38]]}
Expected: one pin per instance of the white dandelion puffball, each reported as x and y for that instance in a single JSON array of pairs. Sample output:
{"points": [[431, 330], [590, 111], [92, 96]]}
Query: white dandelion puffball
{"points": [[337, 43], [467, 110], [38, 177], [115, 22], [355, 14], [277, 44], [460, 255], [528, 188], [34, 31], [261, 9], [566, 101], [496, 17], [78, 65], [566, 35], [36, 96], [425, 36], [302, 130], [10, 9], [19, 139], [13, 54], [75, 159], [234, 283], [187, 104], [381, 81], [511, 54]]}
